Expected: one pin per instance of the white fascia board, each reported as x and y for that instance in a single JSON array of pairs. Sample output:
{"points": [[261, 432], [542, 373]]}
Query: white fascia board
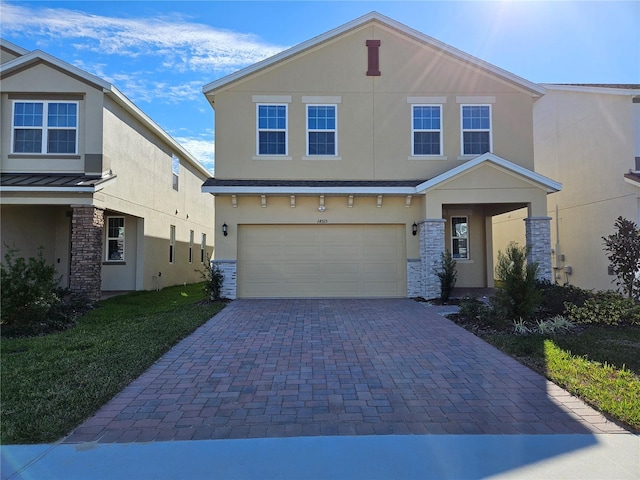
{"points": [[534, 88], [635, 183], [12, 47], [230, 190], [584, 89], [551, 186]]}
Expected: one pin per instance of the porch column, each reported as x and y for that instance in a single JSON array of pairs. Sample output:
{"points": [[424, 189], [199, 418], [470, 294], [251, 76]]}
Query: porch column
{"points": [[538, 237], [86, 251], [432, 245]]}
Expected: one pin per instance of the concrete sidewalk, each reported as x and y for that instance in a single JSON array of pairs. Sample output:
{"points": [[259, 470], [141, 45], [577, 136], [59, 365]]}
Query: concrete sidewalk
{"points": [[615, 456]]}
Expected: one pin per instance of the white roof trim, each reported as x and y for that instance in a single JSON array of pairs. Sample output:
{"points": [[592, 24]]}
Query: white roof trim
{"points": [[630, 181], [113, 92], [550, 186], [536, 89], [12, 47], [586, 89], [253, 190]]}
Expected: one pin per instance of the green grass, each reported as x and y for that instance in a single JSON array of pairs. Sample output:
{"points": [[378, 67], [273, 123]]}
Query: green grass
{"points": [[601, 365], [51, 384]]}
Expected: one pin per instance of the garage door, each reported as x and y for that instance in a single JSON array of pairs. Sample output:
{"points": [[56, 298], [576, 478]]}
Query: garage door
{"points": [[321, 261]]}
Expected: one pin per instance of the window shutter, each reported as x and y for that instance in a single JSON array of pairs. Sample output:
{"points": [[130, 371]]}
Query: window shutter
{"points": [[373, 64]]}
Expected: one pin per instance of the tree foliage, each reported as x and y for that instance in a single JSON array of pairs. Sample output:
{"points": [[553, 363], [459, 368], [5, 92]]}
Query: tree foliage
{"points": [[447, 275], [623, 251]]}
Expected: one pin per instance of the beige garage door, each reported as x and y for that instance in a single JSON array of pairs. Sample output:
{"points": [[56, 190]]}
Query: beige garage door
{"points": [[321, 261]]}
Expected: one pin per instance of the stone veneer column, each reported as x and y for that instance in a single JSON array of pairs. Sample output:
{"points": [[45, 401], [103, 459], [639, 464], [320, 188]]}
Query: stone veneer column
{"points": [[431, 247], [538, 237], [228, 269], [86, 251]]}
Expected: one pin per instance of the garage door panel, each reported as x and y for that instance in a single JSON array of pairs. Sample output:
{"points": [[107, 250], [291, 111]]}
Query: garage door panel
{"points": [[321, 260]]}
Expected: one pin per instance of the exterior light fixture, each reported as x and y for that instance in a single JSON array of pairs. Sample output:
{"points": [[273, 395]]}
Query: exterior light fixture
{"points": [[225, 229], [414, 229]]}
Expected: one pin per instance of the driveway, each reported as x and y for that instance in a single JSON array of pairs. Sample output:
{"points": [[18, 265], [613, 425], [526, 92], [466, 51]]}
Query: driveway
{"points": [[285, 368]]}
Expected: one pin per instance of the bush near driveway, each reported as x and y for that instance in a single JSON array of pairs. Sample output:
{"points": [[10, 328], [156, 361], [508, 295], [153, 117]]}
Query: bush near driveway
{"points": [[50, 384]]}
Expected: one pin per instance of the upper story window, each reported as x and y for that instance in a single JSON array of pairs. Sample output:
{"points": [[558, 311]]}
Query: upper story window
{"points": [[175, 168], [426, 128], [476, 129], [321, 130], [272, 129], [115, 239], [45, 127], [460, 238]]}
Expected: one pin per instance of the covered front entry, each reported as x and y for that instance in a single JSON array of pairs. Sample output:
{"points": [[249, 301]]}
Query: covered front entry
{"points": [[321, 261]]}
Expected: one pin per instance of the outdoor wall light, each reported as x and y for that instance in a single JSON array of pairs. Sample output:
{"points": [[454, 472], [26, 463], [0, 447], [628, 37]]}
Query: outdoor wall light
{"points": [[225, 229], [414, 229]]}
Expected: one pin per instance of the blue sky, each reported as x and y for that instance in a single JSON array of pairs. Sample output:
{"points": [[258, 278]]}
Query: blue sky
{"points": [[161, 53]]}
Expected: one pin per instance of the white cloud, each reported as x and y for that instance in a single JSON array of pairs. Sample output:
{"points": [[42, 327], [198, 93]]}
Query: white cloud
{"points": [[203, 149], [180, 44]]}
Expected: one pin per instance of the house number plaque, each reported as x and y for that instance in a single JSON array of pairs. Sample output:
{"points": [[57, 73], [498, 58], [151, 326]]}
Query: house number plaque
{"points": [[323, 220]]}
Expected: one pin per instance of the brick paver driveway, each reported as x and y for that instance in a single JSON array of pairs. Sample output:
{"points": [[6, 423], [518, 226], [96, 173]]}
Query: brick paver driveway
{"points": [[274, 368]]}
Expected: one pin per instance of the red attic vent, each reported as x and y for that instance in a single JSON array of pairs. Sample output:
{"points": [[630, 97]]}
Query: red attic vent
{"points": [[373, 50]]}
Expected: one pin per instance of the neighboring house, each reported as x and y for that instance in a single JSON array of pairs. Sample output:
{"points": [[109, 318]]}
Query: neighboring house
{"points": [[587, 137], [347, 164], [112, 198]]}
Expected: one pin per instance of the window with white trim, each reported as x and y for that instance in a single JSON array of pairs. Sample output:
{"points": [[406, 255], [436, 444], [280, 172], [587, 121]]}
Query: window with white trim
{"points": [[175, 169], [115, 239], [476, 129], [203, 246], [460, 238], [45, 127], [272, 129], [172, 243], [322, 130], [191, 234], [426, 130]]}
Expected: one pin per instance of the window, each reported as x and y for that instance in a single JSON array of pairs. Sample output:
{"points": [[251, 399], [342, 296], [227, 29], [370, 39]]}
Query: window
{"points": [[115, 239], [459, 237], [426, 126], [272, 129], [175, 167], [45, 127], [172, 243], [321, 130], [203, 246], [476, 129], [190, 246]]}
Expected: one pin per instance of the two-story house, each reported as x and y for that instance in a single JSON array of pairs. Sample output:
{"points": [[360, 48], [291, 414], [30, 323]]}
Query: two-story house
{"points": [[588, 137], [347, 164], [113, 200]]}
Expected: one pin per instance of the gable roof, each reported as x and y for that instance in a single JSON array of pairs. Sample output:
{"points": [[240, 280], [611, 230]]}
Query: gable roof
{"points": [[37, 56], [12, 48], [533, 88]]}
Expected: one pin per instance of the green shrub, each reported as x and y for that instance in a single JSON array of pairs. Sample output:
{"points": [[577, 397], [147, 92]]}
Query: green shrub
{"points": [[518, 296], [447, 275], [554, 297], [213, 277], [605, 308], [623, 251], [32, 301]]}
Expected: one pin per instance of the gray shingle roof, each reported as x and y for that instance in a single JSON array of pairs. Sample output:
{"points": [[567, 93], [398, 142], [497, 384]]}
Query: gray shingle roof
{"points": [[51, 180]]}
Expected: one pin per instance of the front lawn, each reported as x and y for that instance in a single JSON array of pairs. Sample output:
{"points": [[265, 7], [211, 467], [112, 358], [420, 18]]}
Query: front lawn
{"points": [[50, 384]]}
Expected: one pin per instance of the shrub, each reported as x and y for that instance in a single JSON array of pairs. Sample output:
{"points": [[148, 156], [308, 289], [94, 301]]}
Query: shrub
{"points": [[623, 251], [517, 296], [554, 297], [606, 308], [32, 301], [213, 277], [447, 275]]}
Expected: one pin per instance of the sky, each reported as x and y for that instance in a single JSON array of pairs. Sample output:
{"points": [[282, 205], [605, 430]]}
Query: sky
{"points": [[161, 53]]}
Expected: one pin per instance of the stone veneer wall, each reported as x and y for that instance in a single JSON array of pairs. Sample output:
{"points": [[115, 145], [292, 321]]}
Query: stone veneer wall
{"points": [[228, 269], [431, 248], [87, 225], [538, 235], [413, 278]]}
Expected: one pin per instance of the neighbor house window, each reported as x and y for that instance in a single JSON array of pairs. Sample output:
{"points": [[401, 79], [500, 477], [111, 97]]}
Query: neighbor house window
{"points": [[175, 168], [203, 246], [190, 246], [172, 243], [426, 127], [115, 239], [272, 129], [459, 237], [45, 127], [321, 130], [476, 129]]}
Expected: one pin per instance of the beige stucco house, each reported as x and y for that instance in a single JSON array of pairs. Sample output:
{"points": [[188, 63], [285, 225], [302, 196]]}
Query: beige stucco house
{"points": [[347, 164], [112, 198], [588, 137]]}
